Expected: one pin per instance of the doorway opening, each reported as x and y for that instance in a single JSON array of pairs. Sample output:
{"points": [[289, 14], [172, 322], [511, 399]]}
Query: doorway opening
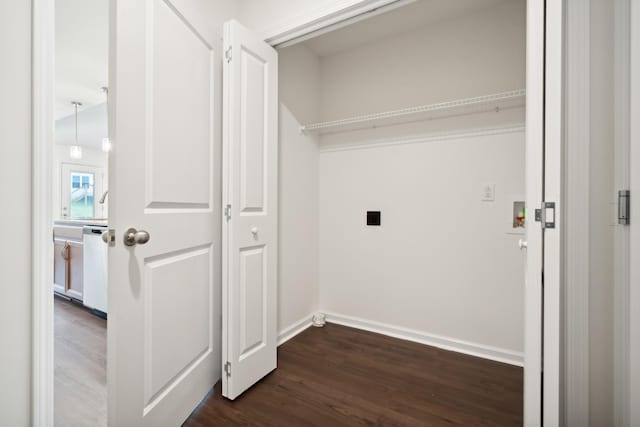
{"points": [[79, 210]]}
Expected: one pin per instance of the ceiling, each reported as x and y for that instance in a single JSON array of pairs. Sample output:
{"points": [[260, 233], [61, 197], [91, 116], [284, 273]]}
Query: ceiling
{"points": [[403, 19], [82, 53]]}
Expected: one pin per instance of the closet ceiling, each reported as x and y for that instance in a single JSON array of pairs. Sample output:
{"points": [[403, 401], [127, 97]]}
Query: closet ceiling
{"points": [[82, 53], [397, 21]]}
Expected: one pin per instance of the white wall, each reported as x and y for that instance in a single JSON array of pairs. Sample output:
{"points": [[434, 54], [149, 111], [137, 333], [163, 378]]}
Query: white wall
{"points": [[90, 157], [298, 186], [442, 263], [92, 127], [15, 217], [476, 54]]}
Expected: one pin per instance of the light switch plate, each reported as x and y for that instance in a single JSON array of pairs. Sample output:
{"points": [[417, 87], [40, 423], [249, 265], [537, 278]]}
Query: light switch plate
{"points": [[488, 192]]}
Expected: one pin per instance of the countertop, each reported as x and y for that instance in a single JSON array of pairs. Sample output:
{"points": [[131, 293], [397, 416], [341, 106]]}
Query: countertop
{"points": [[81, 222]]}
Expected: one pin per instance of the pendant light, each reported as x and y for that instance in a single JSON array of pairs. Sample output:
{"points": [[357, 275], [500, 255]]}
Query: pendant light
{"points": [[106, 143], [75, 151]]}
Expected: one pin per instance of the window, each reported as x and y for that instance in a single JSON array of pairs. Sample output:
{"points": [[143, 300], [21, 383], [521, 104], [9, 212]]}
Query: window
{"points": [[82, 186], [82, 196]]}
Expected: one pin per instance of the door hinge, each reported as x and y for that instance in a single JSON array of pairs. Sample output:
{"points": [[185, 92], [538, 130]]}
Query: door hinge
{"points": [[227, 369], [227, 212], [227, 54], [624, 203], [546, 215]]}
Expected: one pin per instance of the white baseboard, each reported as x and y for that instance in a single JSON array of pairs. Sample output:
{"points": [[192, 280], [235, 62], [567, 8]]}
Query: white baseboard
{"points": [[291, 331], [445, 343]]}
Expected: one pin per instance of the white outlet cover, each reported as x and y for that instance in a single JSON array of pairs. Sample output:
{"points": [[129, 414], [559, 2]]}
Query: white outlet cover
{"points": [[488, 192]]}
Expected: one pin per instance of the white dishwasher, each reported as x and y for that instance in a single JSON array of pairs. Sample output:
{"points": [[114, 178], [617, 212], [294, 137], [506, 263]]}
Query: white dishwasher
{"points": [[95, 268]]}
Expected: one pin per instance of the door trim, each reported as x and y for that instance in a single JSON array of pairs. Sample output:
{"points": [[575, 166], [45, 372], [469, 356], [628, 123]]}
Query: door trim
{"points": [[553, 241], [622, 233], [43, 45], [533, 162], [634, 273], [575, 396], [336, 14]]}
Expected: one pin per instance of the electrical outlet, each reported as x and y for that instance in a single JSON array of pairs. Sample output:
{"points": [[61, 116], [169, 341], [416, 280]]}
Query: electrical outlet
{"points": [[488, 192]]}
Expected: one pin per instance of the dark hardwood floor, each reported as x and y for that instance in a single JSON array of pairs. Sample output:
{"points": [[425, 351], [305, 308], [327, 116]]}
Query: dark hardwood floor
{"points": [[338, 376], [80, 366]]}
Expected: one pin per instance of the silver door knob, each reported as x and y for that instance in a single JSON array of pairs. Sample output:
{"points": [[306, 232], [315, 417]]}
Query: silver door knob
{"points": [[134, 237], [522, 244], [109, 237]]}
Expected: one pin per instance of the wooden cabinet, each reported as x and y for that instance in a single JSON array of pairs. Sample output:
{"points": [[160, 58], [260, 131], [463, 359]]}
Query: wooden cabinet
{"points": [[68, 262]]}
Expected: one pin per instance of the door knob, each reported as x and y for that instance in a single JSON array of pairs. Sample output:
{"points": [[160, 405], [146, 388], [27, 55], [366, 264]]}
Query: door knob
{"points": [[109, 237], [254, 231], [522, 244], [134, 237]]}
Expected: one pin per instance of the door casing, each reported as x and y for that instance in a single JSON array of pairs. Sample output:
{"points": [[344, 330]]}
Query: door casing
{"points": [[634, 261]]}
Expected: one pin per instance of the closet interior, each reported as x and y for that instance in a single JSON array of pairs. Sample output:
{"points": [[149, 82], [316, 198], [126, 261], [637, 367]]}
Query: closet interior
{"points": [[401, 175]]}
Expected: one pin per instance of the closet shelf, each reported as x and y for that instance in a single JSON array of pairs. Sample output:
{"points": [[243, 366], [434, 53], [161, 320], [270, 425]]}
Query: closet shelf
{"points": [[496, 101]]}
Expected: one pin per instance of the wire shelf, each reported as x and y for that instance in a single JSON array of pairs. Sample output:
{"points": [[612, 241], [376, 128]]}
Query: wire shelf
{"points": [[493, 100]]}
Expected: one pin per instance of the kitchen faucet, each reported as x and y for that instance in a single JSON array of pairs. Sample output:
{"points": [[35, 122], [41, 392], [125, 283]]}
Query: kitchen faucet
{"points": [[104, 197]]}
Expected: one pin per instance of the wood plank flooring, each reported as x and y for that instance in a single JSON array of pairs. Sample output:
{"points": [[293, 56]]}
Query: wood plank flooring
{"points": [[80, 366], [337, 376]]}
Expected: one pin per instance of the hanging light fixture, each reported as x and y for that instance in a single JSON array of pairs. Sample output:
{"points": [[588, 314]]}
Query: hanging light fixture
{"points": [[75, 151], [106, 143]]}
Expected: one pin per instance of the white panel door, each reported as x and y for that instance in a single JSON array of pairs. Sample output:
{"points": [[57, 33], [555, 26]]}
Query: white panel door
{"points": [[250, 232], [162, 358]]}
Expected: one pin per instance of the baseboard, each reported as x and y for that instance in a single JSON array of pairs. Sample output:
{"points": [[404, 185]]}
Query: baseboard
{"points": [[291, 331], [445, 343]]}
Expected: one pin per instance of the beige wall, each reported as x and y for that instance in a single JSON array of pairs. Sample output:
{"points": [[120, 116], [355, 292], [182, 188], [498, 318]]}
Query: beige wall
{"points": [[15, 216]]}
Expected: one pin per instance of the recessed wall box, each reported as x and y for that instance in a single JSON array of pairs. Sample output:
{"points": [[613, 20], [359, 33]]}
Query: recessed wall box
{"points": [[373, 218]]}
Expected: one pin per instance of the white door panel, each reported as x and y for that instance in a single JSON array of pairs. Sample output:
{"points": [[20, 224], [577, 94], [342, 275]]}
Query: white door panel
{"points": [[250, 234], [162, 356]]}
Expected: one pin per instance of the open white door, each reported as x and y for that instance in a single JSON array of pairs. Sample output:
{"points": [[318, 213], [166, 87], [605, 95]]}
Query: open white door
{"points": [[162, 358], [543, 183], [250, 191]]}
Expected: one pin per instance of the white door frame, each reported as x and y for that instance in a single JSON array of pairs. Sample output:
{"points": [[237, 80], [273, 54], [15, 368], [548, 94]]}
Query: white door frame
{"points": [[554, 87], [42, 220], [532, 332], [622, 266], [634, 276], [335, 13]]}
